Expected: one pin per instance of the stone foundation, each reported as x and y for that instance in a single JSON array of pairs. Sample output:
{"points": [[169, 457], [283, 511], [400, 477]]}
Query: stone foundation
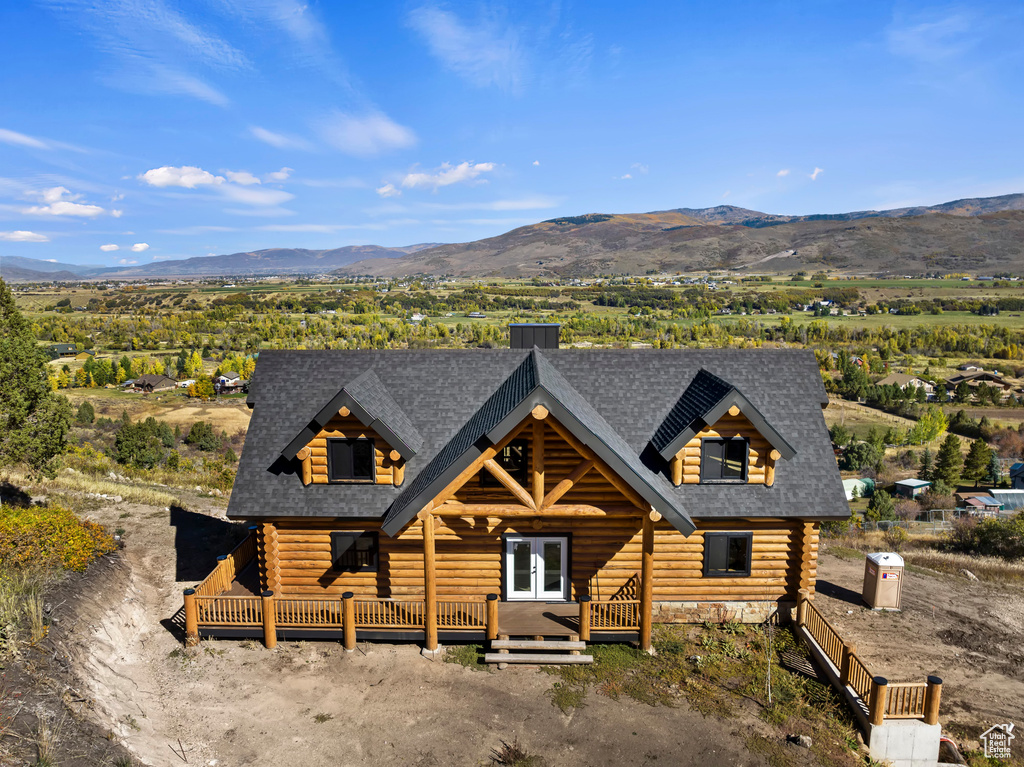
{"points": [[717, 612]]}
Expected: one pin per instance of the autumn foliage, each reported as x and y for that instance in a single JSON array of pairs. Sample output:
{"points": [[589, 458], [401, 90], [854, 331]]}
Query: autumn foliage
{"points": [[50, 535]]}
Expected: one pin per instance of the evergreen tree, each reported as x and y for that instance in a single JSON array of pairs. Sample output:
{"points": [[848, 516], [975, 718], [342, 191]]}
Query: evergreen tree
{"points": [[976, 463], [925, 472], [33, 419], [881, 507], [86, 414], [994, 475], [949, 463]]}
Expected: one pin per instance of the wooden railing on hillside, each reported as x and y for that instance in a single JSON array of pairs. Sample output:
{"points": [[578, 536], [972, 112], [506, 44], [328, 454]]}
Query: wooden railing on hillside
{"points": [[228, 567], [874, 694]]}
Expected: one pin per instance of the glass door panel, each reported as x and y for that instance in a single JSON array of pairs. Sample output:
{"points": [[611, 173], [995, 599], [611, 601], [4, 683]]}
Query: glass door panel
{"points": [[522, 570], [551, 576], [536, 568]]}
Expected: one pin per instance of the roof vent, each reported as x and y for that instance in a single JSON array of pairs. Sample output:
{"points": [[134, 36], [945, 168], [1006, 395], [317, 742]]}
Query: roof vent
{"points": [[526, 335]]}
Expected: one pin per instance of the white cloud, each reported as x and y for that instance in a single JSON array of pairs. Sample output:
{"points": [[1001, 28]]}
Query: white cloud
{"points": [[187, 176], [252, 196], [127, 261], [60, 202], [278, 176], [783, 173], [536, 162], [366, 135], [487, 53], [639, 167], [389, 190], [243, 177], [447, 175], [278, 140], [20, 139], [109, 248], [931, 40], [117, 213], [817, 172], [20, 235], [623, 177], [139, 247]]}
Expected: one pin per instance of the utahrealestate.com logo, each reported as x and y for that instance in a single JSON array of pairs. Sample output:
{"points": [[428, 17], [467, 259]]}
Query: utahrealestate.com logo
{"points": [[997, 741]]}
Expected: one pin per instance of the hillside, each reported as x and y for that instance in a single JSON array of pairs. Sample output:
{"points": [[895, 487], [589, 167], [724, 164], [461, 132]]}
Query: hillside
{"points": [[965, 235], [270, 261]]}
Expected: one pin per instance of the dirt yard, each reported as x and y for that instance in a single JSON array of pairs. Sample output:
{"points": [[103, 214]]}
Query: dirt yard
{"points": [[966, 632], [310, 703]]}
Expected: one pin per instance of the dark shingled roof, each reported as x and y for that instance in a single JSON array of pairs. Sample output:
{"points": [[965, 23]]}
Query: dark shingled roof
{"points": [[705, 400], [369, 401], [459, 401]]}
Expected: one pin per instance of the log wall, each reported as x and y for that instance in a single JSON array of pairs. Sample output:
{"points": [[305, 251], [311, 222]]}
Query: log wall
{"points": [[728, 426], [349, 427], [605, 558]]}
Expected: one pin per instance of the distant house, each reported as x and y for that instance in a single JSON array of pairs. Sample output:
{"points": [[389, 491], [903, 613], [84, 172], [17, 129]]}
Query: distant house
{"points": [[911, 488], [1017, 476], [976, 378], [902, 380], [62, 350], [971, 369], [229, 383], [865, 488], [86, 355], [153, 382], [477, 316], [981, 505], [1011, 500], [417, 317]]}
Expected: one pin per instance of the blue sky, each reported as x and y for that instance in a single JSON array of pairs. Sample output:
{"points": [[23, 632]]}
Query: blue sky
{"points": [[141, 130]]}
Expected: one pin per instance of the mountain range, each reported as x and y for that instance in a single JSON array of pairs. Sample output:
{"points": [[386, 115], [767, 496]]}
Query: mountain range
{"points": [[969, 235]]}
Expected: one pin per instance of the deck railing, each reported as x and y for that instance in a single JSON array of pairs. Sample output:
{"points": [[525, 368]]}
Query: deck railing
{"points": [[470, 615], [309, 613], [388, 614], [882, 700], [614, 615], [229, 611], [228, 568]]}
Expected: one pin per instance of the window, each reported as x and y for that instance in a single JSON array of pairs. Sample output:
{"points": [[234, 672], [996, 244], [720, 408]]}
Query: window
{"points": [[354, 552], [350, 460], [723, 460], [727, 554], [514, 459]]}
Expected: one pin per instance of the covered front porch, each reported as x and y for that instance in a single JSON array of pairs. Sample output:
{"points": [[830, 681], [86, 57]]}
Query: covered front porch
{"points": [[230, 604]]}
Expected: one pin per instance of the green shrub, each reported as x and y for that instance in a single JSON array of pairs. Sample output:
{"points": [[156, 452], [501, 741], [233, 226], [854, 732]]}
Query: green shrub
{"points": [[85, 414], [202, 437]]}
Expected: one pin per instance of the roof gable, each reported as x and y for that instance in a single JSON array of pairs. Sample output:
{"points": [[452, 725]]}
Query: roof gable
{"points": [[706, 400], [535, 382], [369, 401]]}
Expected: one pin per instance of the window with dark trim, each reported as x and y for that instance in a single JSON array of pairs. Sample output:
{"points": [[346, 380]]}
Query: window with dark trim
{"points": [[513, 458], [727, 554], [723, 460], [350, 460], [354, 552]]}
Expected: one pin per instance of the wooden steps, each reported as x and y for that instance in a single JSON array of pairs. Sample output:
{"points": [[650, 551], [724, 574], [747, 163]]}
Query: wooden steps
{"points": [[535, 644], [540, 659], [537, 651]]}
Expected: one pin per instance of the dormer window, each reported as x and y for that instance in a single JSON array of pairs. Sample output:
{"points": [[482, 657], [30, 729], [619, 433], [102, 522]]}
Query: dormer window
{"points": [[723, 460], [513, 459], [350, 460]]}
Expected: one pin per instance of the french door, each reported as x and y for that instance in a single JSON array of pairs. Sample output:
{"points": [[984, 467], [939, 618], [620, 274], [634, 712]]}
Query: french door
{"points": [[536, 568]]}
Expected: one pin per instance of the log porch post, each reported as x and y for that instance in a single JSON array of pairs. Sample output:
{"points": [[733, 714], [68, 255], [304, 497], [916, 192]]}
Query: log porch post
{"points": [[584, 618], [932, 696], [492, 617], [348, 620], [191, 619], [429, 582], [879, 690], [647, 583], [269, 620]]}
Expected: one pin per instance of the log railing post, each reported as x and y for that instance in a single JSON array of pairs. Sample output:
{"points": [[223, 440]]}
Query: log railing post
{"points": [[492, 617], [879, 690], [647, 583], [223, 583], [849, 649], [932, 696], [191, 619], [584, 618], [348, 620], [429, 583], [801, 606], [269, 620]]}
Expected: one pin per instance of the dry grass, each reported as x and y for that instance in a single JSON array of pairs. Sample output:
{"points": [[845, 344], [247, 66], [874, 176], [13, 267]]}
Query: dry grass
{"points": [[81, 483], [924, 551]]}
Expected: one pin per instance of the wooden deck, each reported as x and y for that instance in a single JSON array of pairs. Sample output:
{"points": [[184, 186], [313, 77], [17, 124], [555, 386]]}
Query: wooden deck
{"points": [[246, 583], [517, 619]]}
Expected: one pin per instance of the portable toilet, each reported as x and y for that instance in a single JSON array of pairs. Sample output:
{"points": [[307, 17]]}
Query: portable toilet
{"points": [[883, 581]]}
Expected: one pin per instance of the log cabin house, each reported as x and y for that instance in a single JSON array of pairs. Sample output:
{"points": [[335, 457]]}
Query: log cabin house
{"points": [[449, 495]]}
